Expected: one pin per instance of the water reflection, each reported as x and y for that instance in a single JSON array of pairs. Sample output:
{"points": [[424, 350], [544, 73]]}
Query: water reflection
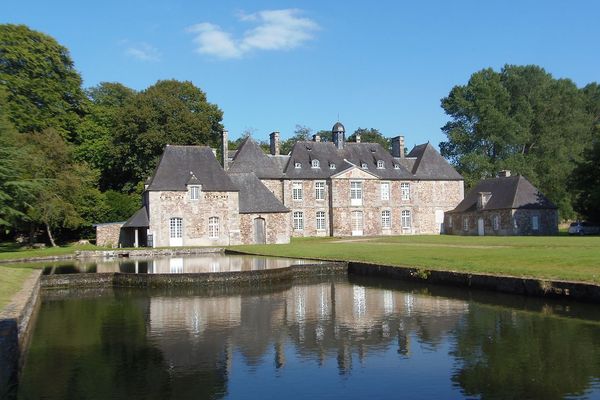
{"points": [[356, 339]]}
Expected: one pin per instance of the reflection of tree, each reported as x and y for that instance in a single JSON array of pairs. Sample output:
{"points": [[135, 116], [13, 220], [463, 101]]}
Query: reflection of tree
{"points": [[506, 354]]}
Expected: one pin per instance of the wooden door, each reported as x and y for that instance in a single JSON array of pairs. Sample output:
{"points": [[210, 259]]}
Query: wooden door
{"points": [[260, 236]]}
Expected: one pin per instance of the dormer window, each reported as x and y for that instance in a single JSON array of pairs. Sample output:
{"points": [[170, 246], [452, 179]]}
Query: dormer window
{"points": [[194, 191], [396, 166], [364, 166], [314, 163], [297, 165], [332, 166], [380, 164]]}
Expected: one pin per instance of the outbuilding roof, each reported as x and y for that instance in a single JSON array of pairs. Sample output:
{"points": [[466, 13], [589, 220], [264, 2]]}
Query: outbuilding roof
{"points": [[254, 196], [430, 165], [138, 220], [251, 158]]}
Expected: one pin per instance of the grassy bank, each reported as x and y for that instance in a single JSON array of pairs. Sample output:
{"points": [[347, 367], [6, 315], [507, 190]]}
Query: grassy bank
{"points": [[559, 257]]}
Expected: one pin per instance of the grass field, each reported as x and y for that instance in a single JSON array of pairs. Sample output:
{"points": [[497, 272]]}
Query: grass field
{"points": [[557, 257]]}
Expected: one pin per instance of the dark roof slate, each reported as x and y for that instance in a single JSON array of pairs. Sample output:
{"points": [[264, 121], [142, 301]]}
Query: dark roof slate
{"points": [[251, 158], [305, 152], [506, 193], [255, 197], [429, 164], [138, 220], [176, 164], [370, 153]]}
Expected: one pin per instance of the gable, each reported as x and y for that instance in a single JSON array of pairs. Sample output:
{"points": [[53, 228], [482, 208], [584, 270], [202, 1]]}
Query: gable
{"points": [[355, 173]]}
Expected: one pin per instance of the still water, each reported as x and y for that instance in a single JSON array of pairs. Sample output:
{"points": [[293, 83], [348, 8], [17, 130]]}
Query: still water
{"points": [[346, 338]]}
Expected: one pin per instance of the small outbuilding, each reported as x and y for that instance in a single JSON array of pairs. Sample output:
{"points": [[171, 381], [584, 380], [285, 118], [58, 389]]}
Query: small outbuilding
{"points": [[502, 206]]}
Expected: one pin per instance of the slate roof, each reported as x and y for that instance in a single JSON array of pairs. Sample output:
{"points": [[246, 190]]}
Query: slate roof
{"points": [[305, 152], [429, 164], [370, 153], [506, 193], [176, 164], [251, 158], [138, 220], [254, 195]]}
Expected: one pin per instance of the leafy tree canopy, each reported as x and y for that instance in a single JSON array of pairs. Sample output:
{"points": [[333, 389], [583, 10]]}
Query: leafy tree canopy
{"points": [[42, 85], [301, 133]]}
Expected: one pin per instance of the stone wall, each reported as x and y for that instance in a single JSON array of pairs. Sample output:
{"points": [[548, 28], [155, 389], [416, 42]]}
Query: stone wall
{"points": [[309, 205], [195, 213], [277, 227], [107, 235], [512, 222], [275, 186]]}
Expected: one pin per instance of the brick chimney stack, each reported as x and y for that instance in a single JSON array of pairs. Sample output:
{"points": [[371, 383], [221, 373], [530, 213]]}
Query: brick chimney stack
{"points": [[225, 148], [398, 146], [274, 143]]}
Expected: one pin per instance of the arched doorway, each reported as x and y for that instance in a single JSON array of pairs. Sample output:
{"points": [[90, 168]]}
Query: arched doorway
{"points": [[260, 236]]}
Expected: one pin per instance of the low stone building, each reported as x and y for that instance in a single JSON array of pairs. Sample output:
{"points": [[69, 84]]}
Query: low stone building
{"points": [[506, 205]]}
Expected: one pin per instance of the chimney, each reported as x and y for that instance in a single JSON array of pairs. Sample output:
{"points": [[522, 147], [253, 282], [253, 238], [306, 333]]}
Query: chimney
{"points": [[225, 148], [316, 138], [274, 143], [357, 138], [398, 146], [504, 174]]}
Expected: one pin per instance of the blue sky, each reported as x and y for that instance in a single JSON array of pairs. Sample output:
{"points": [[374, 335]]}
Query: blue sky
{"points": [[270, 65]]}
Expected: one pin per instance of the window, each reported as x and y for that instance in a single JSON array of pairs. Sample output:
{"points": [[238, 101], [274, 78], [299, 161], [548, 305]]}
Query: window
{"points": [[364, 166], [385, 190], [319, 190], [496, 222], [332, 166], [535, 222], [386, 219], [380, 164], [298, 220], [194, 192], [405, 220], [297, 165], [450, 221], [314, 164], [320, 220], [405, 189], [396, 166], [175, 227], [213, 227], [297, 191], [357, 223], [465, 223], [355, 193]]}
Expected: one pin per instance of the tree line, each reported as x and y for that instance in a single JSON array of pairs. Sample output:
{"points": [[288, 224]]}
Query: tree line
{"points": [[72, 156]]}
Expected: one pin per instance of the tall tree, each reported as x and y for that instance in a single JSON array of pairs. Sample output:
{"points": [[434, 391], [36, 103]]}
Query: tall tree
{"points": [[370, 135], [520, 119], [43, 87], [169, 112]]}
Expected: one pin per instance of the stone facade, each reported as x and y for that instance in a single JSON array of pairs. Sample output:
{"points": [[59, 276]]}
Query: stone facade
{"points": [[277, 228], [510, 222], [107, 235]]}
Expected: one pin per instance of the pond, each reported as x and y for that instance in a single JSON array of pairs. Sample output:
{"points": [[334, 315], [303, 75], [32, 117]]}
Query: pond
{"points": [[342, 337]]}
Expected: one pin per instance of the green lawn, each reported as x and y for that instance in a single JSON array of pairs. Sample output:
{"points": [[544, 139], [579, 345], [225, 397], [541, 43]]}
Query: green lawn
{"points": [[556, 257], [11, 280]]}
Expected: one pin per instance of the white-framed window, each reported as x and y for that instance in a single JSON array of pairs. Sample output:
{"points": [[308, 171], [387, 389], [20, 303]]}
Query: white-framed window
{"points": [[314, 163], [298, 220], [320, 220], [332, 166], [405, 219], [356, 193], [450, 221], [297, 165], [380, 164], [386, 219], [194, 191], [385, 190], [496, 222], [175, 227], [405, 189], [319, 190], [465, 223], [213, 227], [396, 166], [357, 222], [364, 166], [297, 191], [535, 222]]}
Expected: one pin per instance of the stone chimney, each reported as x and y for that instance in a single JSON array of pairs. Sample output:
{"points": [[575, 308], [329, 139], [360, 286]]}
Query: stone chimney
{"points": [[398, 146], [504, 174], [225, 148], [357, 138], [483, 199], [316, 138], [274, 143]]}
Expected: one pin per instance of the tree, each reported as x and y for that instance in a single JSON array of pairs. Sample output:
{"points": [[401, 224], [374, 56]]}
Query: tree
{"points": [[169, 112], [370, 136], [585, 182], [520, 119], [301, 133], [43, 88]]}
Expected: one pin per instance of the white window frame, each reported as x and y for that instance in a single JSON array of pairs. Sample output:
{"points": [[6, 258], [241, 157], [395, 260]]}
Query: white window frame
{"points": [[364, 166], [194, 191], [297, 165], [405, 189], [386, 219], [465, 223], [176, 228], [496, 222], [297, 192], [356, 193], [320, 220], [319, 190], [213, 227], [385, 190], [406, 219], [380, 164], [298, 222], [315, 164], [535, 222], [332, 166], [396, 166], [357, 222]]}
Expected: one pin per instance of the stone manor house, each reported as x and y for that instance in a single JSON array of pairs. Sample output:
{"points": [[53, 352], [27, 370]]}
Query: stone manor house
{"points": [[320, 188]]}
